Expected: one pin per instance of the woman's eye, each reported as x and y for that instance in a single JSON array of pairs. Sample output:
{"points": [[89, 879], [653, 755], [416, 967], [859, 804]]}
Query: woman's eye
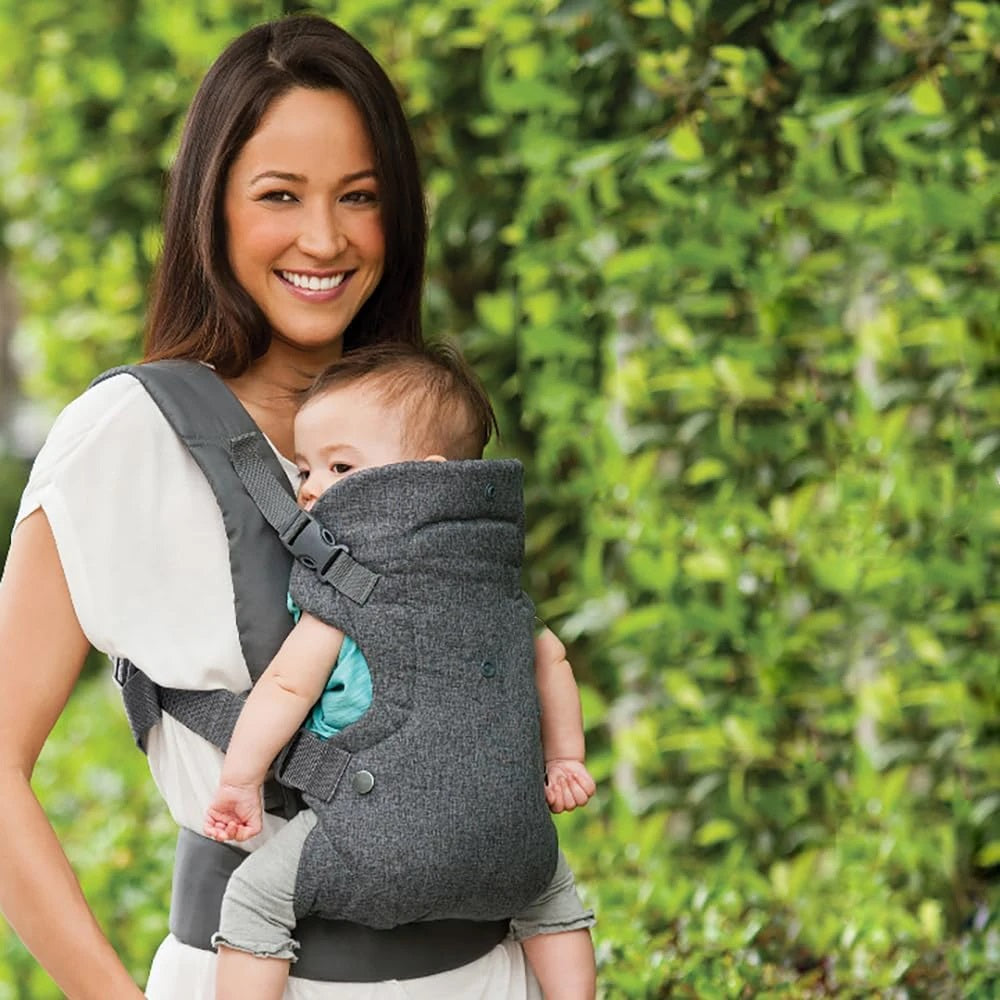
{"points": [[281, 197], [361, 198]]}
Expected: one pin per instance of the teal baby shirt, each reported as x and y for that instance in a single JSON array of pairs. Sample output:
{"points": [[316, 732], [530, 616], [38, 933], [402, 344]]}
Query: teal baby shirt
{"points": [[348, 691]]}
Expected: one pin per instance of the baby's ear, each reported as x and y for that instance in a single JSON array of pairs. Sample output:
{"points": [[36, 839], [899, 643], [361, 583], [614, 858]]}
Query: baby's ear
{"points": [[435, 458]]}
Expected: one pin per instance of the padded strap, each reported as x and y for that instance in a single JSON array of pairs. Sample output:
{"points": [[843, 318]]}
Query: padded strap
{"points": [[308, 763], [206, 416], [301, 534], [312, 764], [141, 698], [211, 714], [331, 950]]}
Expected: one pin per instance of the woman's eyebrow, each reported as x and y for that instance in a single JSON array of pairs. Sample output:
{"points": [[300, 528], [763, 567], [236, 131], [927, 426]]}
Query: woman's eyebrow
{"points": [[281, 175], [359, 175], [277, 175]]}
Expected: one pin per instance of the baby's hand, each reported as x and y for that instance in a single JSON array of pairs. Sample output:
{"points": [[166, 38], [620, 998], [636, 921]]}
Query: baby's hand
{"points": [[568, 784], [234, 813]]}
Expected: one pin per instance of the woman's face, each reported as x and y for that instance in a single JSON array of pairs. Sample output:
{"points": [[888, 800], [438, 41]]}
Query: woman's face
{"points": [[303, 220]]}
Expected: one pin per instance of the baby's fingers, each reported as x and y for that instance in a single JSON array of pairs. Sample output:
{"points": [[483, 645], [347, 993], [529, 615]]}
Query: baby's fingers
{"points": [[244, 831], [558, 794], [583, 786], [578, 792], [217, 828]]}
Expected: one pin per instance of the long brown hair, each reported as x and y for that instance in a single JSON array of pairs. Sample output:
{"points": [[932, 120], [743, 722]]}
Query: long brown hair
{"points": [[199, 310]]}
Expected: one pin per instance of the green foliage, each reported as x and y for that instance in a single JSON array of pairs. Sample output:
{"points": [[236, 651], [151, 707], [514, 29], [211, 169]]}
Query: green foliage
{"points": [[12, 479], [114, 828], [731, 272]]}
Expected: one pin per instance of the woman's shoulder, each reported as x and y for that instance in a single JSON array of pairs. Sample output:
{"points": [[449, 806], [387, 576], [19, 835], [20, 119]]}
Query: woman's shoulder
{"points": [[118, 405], [112, 430]]}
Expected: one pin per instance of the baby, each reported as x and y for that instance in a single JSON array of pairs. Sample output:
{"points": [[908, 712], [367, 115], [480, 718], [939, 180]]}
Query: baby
{"points": [[378, 407]]}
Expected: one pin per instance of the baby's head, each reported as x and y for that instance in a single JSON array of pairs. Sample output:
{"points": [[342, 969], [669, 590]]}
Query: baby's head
{"points": [[389, 403]]}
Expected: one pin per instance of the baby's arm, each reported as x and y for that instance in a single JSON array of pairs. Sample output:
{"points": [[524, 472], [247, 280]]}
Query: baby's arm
{"points": [[274, 710], [568, 784]]}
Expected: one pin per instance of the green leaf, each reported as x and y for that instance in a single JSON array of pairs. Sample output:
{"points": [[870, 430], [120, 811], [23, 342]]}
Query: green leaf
{"points": [[988, 856], [926, 645], [849, 144], [496, 311], [715, 831], [925, 96], [686, 143], [706, 566], [682, 15], [705, 470], [648, 8]]}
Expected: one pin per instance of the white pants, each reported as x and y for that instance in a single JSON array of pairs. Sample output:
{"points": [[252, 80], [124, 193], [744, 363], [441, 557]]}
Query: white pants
{"points": [[180, 971]]}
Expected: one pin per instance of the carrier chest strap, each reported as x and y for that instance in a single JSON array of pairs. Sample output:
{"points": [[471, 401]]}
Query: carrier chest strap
{"points": [[302, 535]]}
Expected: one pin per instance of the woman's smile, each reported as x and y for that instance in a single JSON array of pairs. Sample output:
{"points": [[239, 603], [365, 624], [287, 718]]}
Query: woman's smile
{"points": [[312, 283]]}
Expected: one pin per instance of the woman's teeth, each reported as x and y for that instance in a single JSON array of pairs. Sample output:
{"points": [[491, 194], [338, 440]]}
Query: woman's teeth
{"points": [[311, 282]]}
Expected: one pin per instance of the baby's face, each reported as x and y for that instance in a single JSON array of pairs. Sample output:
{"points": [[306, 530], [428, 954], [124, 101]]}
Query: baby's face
{"points": [[340, 432]]}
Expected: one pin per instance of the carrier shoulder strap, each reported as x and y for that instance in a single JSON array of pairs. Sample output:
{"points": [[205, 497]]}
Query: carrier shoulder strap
{"points": [[265, 529], [206, 416]]}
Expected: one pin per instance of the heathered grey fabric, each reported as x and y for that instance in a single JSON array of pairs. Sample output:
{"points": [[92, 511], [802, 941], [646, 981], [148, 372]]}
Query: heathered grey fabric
{"points": [[456, 823]]}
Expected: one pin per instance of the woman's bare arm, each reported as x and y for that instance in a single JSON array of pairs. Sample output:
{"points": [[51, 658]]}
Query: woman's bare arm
{"points": [[42, 650]]}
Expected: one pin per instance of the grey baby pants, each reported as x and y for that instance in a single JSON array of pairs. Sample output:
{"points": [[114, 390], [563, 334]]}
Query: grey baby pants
{"points": [[258, 914]]}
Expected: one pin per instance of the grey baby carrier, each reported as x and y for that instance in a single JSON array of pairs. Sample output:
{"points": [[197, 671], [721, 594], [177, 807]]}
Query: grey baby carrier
{"points": [[432, 814]]}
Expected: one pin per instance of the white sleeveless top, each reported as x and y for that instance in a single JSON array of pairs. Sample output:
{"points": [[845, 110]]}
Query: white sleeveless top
{"points": [[144, 551]]}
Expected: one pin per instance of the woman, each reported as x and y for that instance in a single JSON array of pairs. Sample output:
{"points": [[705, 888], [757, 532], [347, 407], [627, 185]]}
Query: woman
{"points": [[294, 231]]}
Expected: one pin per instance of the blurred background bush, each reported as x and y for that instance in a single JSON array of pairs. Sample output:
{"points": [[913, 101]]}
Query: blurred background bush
{"points": [[731, 273]]}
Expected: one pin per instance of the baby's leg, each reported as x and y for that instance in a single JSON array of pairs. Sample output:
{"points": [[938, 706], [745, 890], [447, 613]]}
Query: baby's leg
{"points": [[240, 975], [563, 963], [255, 940], [555, 934]]}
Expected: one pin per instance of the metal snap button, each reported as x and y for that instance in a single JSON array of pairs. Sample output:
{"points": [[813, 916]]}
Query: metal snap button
{"points": [[490, 491], [363, 782], [488, 669]]}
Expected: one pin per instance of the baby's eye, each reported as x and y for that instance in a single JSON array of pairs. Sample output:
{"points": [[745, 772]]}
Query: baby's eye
{"points": [[303, 475], [341, 468]]}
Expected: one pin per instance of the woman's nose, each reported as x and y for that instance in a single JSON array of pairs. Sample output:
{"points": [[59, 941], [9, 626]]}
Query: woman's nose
{"points": [[322, 237]]}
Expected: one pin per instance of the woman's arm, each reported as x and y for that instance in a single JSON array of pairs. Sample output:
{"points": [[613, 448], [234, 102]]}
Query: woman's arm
{"points": [[274, 710], [42, 650], [568, 784]]}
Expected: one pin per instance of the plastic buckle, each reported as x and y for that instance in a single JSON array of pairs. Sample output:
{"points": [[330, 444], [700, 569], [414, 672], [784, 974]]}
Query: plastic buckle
{"points": [[311, 543]]}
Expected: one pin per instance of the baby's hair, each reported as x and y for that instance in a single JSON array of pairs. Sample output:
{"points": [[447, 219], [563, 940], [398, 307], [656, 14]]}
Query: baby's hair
{"points": [[441, 403]]}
